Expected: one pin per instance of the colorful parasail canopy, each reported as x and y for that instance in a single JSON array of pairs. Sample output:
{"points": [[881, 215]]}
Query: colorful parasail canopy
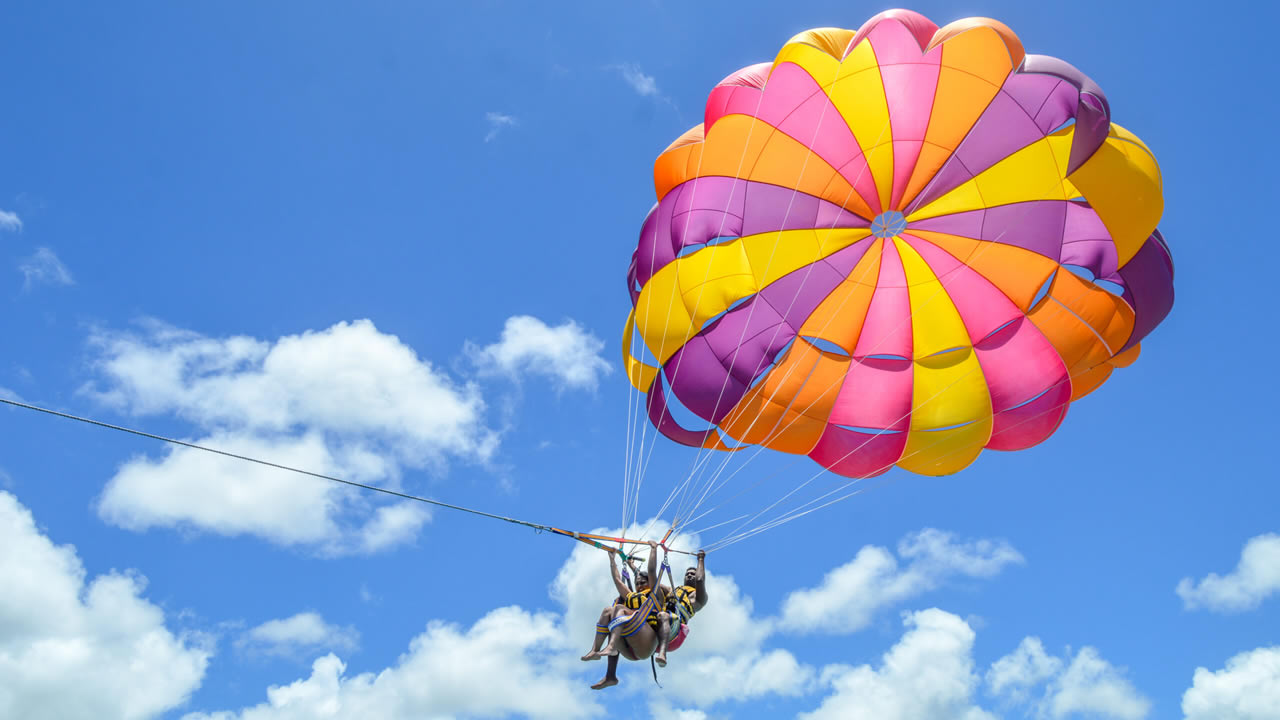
{"points": [[895, 246]]}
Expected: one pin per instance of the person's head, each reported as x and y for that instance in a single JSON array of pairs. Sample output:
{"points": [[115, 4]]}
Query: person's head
{"points": [[642, 579], [691, 576]]}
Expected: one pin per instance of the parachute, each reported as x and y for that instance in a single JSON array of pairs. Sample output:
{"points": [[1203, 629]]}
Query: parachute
{"points": [[894, 246]]}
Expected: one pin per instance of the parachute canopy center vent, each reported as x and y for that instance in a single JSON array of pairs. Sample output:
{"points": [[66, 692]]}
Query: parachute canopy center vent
{"points": [[890, 223]]}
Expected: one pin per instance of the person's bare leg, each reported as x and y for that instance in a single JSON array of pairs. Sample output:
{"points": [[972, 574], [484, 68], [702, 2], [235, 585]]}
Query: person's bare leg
{"points": [[610, 675], [605, 616], [615, 635], [664, 631]]}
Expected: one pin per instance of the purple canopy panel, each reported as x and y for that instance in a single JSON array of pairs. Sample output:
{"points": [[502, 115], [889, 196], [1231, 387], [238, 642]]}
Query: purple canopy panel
{"points": [[1005, 127], [702, 382], [660, 416], [797, 294], [1037, 226], [1148, 281], [1092, 113], [1087, 243], [706, 208], [747, 339], [965, 224]]}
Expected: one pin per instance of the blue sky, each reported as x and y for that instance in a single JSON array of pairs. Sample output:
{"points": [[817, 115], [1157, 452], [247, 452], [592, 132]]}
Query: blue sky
{"points": [[388, 241]]}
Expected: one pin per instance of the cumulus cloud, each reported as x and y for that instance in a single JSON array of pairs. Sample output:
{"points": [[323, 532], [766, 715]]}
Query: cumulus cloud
{"points": [[927, 675], [1248, 688], [306, 632], [348, 401], [515, 661], [566, 354], [44, 268], [509, 662], [1015, 674], [1085, 684], [1091, 685], [74, 647], [350, 382], [497, 122], [849, 596], [1255, 578], [9, 221]]}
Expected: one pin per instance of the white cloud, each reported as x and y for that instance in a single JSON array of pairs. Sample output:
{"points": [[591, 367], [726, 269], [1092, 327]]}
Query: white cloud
{"points": [[1087, 685], [566, 353], [350, 382], [305, 632], [497, 123], [10, 221], [661, 710], [510, 662], [1015, 674], [73, 647], [1248, 688], [348, 401], [927, 675], [1256, 577], [850, 595], [44, 268], [1091, 685], [515, 661], [643, 84], [393, 525]]}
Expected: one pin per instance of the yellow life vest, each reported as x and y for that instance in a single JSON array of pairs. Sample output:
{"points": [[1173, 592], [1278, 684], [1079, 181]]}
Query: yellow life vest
{"points": [[682, 601], [635, 599]]}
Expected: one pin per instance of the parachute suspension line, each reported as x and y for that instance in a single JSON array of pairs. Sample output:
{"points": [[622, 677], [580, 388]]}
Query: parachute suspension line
{"points": [[737, 173], [626, 462], [703, 460], [939, 291], [588, 538], [800, 510], [682, 506], [706, 487]]}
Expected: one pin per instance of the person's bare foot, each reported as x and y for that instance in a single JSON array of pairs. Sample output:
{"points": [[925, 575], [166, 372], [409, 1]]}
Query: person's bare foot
{"points": [[661, 659], [593, 655], [609, 651], [604, 683]]}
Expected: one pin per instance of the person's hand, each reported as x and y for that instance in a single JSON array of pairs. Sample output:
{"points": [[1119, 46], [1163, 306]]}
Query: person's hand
{"points": [[653, 544], [702, 554]]}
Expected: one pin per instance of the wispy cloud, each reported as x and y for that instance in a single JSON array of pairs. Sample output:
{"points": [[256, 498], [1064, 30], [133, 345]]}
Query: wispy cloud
{"points": [[44, 268], [10, 221], [497, 123], [643, 83]]}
